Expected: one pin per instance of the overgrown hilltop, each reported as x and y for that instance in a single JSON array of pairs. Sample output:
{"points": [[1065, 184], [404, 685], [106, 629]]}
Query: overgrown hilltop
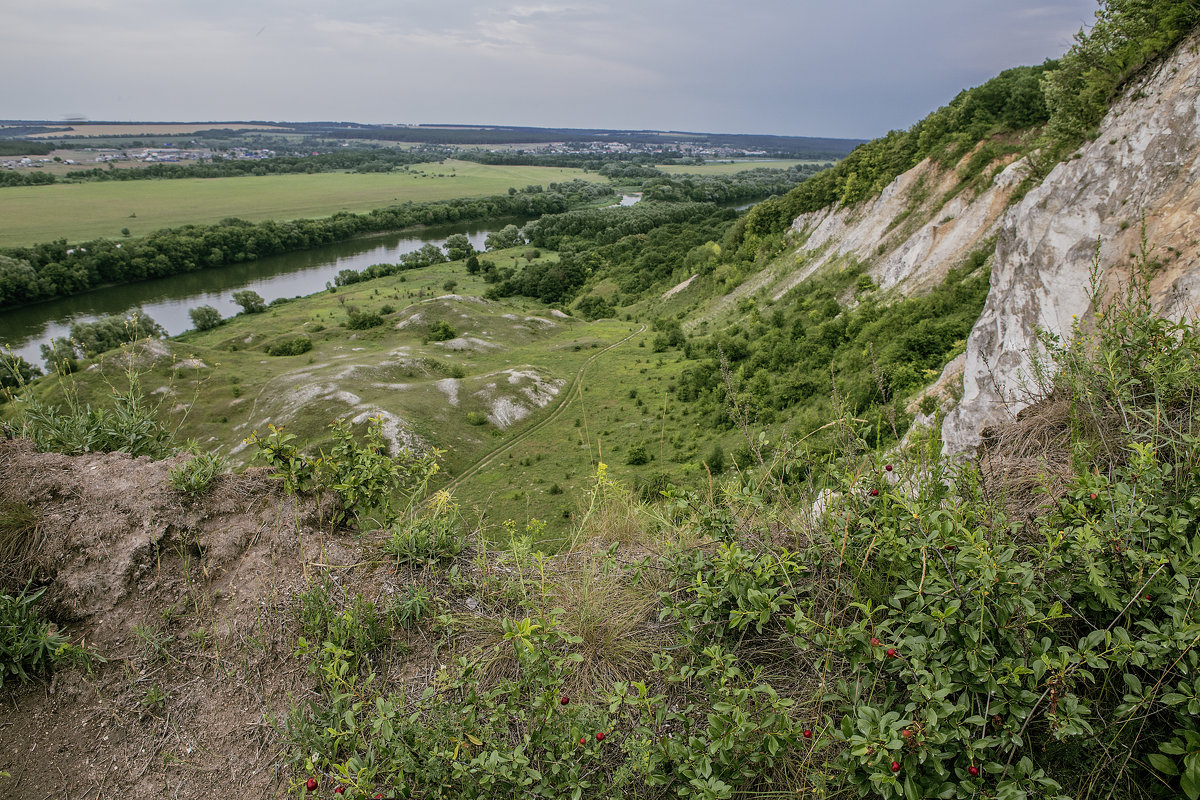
{"points": [[1024, 628]]}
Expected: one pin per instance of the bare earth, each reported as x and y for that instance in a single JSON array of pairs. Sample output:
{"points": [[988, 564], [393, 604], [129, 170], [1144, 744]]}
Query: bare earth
{"points": [[211, 583]]}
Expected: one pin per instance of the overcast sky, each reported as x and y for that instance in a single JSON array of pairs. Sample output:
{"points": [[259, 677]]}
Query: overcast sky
{"points": [[848, 68]]}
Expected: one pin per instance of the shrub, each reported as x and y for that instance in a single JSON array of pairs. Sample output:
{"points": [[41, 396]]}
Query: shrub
{"points": [[250, 301], [715, 460], [637, 455], [290, 347], [362, 320], [205, 318], [476, 418], [440, 332], [594, 307]]}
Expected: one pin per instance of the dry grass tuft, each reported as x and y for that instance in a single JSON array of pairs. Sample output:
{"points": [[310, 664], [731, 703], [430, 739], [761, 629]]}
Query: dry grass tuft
{"points": [[1026, 465], [20, 541], [604, 618]]}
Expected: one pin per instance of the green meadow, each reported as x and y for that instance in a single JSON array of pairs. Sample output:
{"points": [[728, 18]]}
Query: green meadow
{"points": [[94, 209]]}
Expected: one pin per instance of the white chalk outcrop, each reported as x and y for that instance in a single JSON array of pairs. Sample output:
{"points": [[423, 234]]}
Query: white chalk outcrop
{"points": [[1144, 165]]}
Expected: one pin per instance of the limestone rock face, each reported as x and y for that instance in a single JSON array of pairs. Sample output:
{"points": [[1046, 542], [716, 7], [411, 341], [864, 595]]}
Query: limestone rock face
{"points": [[1141, 173], [907, 235]]}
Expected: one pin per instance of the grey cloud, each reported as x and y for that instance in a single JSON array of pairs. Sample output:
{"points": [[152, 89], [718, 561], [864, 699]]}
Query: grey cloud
{"points": [[856, 68]]}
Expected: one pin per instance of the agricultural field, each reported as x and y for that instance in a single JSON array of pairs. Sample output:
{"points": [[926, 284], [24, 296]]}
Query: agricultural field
{"points": [[731, 167], [91, 210], [148, 129]]}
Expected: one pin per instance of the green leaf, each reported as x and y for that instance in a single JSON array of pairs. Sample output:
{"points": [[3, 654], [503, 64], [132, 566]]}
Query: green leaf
{"points": [[1190, 785], [1163, 764]]}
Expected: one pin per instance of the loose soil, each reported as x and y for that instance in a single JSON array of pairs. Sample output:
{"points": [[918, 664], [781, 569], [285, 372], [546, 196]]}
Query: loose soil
{"points": [[192, 605]]}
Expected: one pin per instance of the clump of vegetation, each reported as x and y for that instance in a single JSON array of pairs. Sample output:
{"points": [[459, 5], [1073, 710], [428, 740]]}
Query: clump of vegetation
{"points": [[293, 346], [427, 536], [205, 318], [371, 484], [1125, 37], [107, 333], [29, 645], [130, 423], [250, 301], [364, 320], [440, 331], [194, 476]]}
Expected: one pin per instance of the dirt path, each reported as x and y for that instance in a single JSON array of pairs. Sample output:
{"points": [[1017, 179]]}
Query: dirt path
{"points": [[562, 406]]}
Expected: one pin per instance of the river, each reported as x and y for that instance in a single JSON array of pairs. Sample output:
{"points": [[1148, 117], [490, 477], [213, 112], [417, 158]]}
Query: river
{"points": [[168, 300]]}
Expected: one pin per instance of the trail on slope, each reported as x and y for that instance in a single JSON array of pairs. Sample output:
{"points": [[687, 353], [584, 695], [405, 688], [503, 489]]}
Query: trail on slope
{"points": [[562, 406]]}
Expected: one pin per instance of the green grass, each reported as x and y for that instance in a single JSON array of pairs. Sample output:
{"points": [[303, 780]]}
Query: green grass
{"points": [[95, 209], [730, 168], [395, 370]]}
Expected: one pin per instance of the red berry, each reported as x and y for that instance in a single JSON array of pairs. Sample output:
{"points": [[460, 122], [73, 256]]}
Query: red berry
{"points": [[311, 784], [600, 736], [874, 493], [807, 734], [583, 740], [973, 770], [340, 790], [906, 733], [1092, 496], [1147, 597], [891, 652], [888, 467], [875, 642], [895, 766], [564, 699]]}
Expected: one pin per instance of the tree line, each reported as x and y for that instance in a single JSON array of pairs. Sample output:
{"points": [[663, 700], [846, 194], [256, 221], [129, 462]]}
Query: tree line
{"points": [[55, 269]]}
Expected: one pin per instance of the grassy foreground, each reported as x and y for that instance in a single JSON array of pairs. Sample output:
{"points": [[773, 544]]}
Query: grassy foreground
{"points": [[1024, 626], [102, 209]]}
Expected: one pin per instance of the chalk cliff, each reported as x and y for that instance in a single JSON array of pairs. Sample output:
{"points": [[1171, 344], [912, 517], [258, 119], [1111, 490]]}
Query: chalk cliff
{"points": [[1139, 176]]}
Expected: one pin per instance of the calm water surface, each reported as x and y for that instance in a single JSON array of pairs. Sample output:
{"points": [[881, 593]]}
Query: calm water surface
{"points": [[168, 300]]}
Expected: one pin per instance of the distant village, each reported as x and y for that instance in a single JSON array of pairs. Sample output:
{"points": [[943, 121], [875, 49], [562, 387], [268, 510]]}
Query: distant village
{"points": [[171, 154], [166, 154], [672, 148]]}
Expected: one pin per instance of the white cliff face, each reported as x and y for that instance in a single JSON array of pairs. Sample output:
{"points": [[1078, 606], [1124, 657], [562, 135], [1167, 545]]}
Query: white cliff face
{"points": [[1144, 164], [908, 238]]}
